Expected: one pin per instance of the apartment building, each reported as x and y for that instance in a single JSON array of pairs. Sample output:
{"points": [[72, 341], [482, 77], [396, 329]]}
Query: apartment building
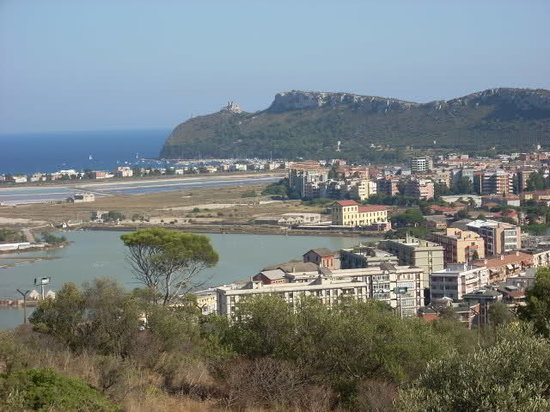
{"points": [[499, 237], [388, 186], [419, 188], [421, 164], [362, 189], [401, 287], [305, 179], [456, 280], [417, 252], [494, 182], [460, 246], [350, 213]]}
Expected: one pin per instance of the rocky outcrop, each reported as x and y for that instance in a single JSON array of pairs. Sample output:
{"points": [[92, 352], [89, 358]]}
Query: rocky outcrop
{"points": [[300, 100]]}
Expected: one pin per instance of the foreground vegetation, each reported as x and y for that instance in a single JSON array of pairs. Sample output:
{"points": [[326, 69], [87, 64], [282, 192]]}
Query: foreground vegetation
{"points": [[109, 349]]}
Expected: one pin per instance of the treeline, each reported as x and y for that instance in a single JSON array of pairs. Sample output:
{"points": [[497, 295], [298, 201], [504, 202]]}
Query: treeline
{"points": [[113, 350]]}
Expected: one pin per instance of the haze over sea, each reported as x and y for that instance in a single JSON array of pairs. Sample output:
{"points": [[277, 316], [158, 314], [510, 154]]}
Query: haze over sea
{"points": [[51, 151]]}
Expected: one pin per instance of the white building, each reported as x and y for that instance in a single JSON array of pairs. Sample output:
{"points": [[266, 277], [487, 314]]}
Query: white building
{"points": [[401, 287], [457, 280], [421, 164]]}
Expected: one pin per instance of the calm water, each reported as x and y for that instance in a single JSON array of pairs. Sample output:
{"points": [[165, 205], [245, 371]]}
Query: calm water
{"points": [[101, 253], [48, 152]]}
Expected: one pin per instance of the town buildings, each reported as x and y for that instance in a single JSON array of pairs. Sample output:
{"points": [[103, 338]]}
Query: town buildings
{"points": [[461, 246], [418, 253]]}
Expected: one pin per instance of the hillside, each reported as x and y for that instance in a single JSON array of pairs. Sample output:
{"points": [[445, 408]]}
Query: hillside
{"points": [[309, 124]]}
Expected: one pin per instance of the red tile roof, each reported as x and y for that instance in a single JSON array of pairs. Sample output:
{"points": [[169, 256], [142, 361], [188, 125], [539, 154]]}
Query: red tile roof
{"points": [[372, 208], [347, 202]]}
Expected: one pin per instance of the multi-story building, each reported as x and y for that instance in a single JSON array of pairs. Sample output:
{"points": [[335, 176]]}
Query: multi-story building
{"points": [[350, 213], [506, 265], [419, 188], [305, 179], [495, 182], [421, 164], [388, 186], [456, 280], [362, 257], [523, 177], [499, 237], [461, 246], [401, 287], [362, 189], [416, 252]]}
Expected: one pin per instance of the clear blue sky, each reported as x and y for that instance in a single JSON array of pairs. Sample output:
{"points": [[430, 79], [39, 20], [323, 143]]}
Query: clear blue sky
{"points": [[92, 65]]}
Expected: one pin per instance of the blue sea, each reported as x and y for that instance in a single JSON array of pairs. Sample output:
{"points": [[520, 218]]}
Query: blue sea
{"points": [[98, 150]]}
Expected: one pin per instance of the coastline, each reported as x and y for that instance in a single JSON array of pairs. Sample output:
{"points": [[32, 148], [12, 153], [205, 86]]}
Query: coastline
{"points": [[239, 229]]}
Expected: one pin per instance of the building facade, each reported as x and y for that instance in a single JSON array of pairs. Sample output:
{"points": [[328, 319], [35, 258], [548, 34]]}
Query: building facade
{"points": [[350, 213], [417, 252], [499, 237], [456, 280], [461, 246], [401, 287]]}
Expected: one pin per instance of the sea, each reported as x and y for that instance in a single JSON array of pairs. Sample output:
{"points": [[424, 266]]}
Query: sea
{"points": [[26, 153]]}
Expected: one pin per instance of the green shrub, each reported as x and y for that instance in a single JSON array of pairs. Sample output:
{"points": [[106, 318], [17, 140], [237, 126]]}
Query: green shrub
{"points": [[47, 390]]}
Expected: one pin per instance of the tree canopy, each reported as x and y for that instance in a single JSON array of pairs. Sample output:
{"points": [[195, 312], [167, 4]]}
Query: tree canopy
{"points": [[168, 261]]}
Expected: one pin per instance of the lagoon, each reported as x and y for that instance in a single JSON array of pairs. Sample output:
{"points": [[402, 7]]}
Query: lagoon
{"points": [[101, 253]]}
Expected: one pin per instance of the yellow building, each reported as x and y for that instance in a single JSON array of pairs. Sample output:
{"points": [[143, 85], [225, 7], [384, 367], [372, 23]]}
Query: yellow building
{"points": [[350, 213]]}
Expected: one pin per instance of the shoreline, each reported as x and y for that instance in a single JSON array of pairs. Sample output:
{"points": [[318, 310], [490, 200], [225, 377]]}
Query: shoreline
{"points": [[240, 229]]}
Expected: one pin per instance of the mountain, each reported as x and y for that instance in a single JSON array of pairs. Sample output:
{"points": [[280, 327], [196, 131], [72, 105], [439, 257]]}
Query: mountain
{"points": [[309, 125]]}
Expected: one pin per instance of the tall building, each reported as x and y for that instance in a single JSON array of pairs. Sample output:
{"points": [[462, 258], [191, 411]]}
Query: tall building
{"points": [[461, 246], [499, 237], [419, 188], [388, 186], [495, 182], [421, 164], [305, 179], [362, 189], [417, 252]]}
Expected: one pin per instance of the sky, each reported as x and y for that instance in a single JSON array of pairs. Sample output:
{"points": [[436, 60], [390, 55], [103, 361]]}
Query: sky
{"points": [[133, 64]]}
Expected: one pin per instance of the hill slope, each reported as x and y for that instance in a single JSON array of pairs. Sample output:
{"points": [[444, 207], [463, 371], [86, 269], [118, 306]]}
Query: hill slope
{"points": [[309, 124]]}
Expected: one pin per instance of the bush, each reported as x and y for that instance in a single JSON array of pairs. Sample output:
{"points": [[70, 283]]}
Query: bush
{"points": [[46, 390], [49, 237], [249, 193]]}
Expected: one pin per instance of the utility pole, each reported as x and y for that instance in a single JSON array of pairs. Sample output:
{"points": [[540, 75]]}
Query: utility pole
{"points": [[24, 294]]}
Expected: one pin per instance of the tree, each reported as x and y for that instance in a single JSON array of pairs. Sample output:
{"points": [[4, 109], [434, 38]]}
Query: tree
{"points": [[511, 375], [499, 314], [168, 261], [537, 309]]}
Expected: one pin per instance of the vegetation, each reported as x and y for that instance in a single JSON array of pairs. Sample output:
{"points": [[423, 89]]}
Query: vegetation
{"points": [[168, 261], [46, 390], [52, 239], [352, 356], [249, 193], [314, 132], [11, 236]]}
